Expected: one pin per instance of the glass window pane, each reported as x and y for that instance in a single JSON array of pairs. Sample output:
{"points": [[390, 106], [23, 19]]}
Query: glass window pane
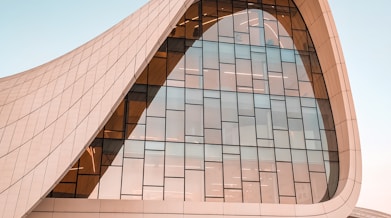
{"points": [[194, 120], [157, 71], [211, 79], [303, 195], [157, 101], [132, 176], [326, 120], [300, 39], [319, 86], [230, 133], [175, 126], [155, 128], [329, 140], [264, 123], [281, 139], [194, 61], [174, 189], [251, 192], [134, 149], [194, 185], [257, 36], [175, 66], [214, 179], [213, 153], [306, 89], [175, 159], [241, 21], [255, 17], [247, 131], [259, 65], [226, 53], [274, 59], [151, 145], [319, 187], [293, 107], [135, 131], [276, 83], [296, 133], [242, 38], [194, 96], [315, 161], [210, 57], [303, 66], [154, 168], [311, 126], [271, 33], [213, 136], [226, 26], [287, 55], [262, 101], [229, 106], [285, 179], [228, 77], [266, 159], [229, 149], [110, 182], [279, 115], [194, 81], [212, 113], [243, 73], [287, 200], [290, 76], [194, 156], [152, 193], [313, 144], [209, 28], [269, 188], [86, 184], [137, 105], [300, 165], [233, 195], [175, 98], [283, 154], [242, 51], [246, 104], [249, 163], [232, 171]]}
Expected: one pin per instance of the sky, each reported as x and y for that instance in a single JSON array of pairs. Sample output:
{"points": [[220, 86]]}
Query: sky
{"points": [[35, 32]]}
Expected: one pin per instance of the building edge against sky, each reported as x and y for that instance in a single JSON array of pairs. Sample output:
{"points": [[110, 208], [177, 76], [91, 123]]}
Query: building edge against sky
{"points": [[47, 97]]}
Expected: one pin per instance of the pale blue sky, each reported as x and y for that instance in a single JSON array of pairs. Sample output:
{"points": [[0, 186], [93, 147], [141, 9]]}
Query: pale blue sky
{"points": [[34, 32]]}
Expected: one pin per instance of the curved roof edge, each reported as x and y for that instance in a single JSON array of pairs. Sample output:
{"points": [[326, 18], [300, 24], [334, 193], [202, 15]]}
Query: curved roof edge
{"points": [[359, 212]]}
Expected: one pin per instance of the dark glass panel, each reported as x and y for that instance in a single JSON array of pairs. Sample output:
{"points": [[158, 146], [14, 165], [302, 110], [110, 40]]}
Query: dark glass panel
{"points": [[209, 8], [85, 185], [326, 119]]}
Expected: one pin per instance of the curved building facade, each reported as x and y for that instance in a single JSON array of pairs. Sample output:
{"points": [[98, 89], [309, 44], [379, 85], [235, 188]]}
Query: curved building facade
{"points": [[205, 108]]}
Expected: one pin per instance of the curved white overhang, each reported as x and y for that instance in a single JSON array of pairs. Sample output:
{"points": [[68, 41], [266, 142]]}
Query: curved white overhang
{"points": [[51, 113]]}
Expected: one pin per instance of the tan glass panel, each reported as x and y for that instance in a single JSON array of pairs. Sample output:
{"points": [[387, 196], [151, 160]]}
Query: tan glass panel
{"points": [[213, 179]]}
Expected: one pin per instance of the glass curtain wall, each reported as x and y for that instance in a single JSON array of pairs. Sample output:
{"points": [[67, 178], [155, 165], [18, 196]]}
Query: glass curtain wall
{"points": [[233, 107]]}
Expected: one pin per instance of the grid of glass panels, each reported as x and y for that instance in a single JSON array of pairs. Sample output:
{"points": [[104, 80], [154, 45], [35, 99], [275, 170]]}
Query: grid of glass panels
{"points": [[233, 107]]}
